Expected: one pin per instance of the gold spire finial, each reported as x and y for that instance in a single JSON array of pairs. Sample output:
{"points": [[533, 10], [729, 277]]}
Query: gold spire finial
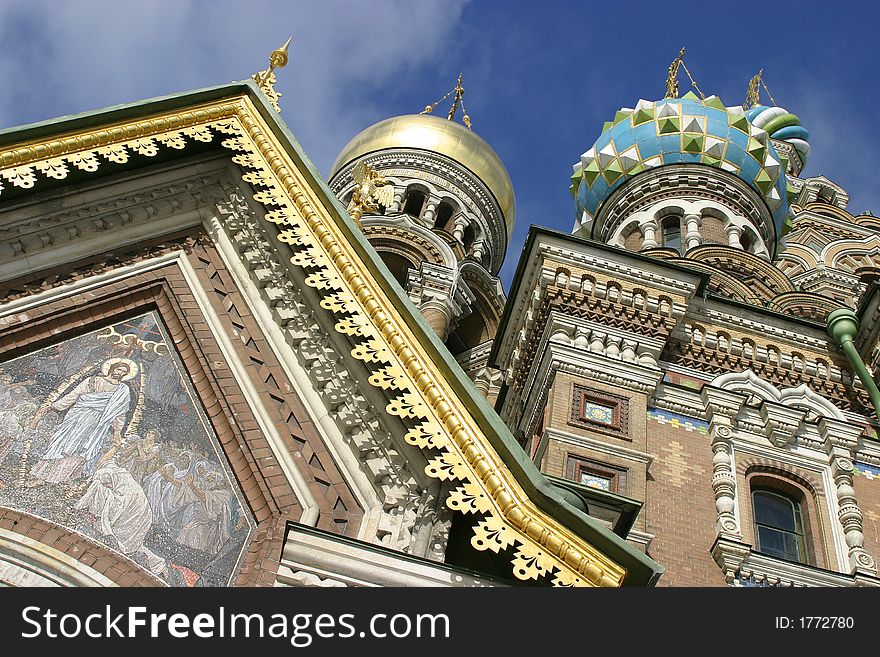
{"points": [[672, 77], [456, 101], [266, 79], [753, 93]]}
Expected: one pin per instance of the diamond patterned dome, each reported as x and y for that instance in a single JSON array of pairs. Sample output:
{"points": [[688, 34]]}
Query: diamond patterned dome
{"points": [[675, 131]]}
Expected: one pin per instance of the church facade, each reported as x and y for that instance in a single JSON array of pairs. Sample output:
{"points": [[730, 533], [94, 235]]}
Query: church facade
{"points": [[219, 369]]}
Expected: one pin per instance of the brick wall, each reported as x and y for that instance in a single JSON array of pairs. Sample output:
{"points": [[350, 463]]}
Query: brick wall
{"points": [[712, 231], [867, 486], [680, 503]]}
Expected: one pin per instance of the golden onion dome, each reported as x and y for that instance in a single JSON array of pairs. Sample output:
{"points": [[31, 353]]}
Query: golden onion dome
{"points": [[439, 135]]}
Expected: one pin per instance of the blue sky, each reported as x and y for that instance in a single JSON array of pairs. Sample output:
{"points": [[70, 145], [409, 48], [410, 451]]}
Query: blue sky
{"points": [[541, 78]]}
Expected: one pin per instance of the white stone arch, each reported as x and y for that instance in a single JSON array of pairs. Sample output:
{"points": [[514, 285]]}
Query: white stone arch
{"points": [[800, 256], [835, 252], [405, 221], [26, 562], [805, 399], [747, 383], [626, 227]]}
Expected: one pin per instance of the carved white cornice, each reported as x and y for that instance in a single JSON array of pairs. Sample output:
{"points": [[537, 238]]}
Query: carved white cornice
{"points": [[138, 208], [323, 560], [603, 446], [345, 395]]}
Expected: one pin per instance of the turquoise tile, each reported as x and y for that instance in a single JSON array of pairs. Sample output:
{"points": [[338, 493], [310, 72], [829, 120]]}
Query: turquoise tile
{"points": [[735, 154], [718, 127], [670, 143], [739, 138], [645, 131], [623, 139], [649, 147]]}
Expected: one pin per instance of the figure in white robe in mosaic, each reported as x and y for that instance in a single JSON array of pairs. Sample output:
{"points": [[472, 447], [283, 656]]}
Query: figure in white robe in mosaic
{"points": [[169, 492], [209, 524], [122, 512], [95, 409]]}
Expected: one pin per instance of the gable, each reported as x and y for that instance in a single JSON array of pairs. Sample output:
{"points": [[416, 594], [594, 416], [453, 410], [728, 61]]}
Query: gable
{"points": [[300, 245]]}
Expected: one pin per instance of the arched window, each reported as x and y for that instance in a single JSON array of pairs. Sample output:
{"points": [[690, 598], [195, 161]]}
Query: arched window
{"points": [[444, 214], [672, 233], [415, 202], [779, 526]]}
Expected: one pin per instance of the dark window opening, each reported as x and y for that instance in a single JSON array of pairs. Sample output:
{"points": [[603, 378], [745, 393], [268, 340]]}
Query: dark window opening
{"points": [[444, 214], [398, 265], [415, 202], [779, 526], [672, 233], [471, 331], [470, 235]]}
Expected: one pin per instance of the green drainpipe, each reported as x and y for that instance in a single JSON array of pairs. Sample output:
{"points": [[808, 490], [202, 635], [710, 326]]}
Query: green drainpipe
{"points": [[842, 326]]}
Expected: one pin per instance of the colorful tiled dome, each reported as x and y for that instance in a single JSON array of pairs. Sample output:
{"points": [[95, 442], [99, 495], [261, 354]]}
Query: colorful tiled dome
{"points": [[780, 124], [675, 131]]}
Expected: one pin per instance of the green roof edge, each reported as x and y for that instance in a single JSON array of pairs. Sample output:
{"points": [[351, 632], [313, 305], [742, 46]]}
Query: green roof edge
{"points": [[641, 570]]}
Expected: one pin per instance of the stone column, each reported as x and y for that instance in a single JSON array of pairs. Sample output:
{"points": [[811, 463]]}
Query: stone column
{"points": [[649, 234], [461, 223], [478, 250], [438, 315], [733, 236], [692, 237], [430, 210], [850, 516], [397, 203]]}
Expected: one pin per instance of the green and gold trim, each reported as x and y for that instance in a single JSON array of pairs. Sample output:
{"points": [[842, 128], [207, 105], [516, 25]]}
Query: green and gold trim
{"points": [[420, 394]]}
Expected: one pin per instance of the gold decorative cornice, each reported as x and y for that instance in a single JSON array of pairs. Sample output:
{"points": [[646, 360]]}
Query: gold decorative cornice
{"points": [[419, 393]]}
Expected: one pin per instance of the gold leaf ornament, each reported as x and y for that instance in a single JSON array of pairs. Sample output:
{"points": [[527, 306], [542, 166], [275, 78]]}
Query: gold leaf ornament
{"points": [[493, 534], [427, 434], [447, 466], [54, 168], [531, 562], [469, 498], [408, 405]]}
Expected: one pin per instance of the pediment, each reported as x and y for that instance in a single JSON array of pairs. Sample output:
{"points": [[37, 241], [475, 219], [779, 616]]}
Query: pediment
{"points": [[463, 445]]}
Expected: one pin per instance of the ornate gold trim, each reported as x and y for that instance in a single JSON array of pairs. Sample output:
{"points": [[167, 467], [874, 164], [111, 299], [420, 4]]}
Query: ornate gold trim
{"points": [[457, 449]]}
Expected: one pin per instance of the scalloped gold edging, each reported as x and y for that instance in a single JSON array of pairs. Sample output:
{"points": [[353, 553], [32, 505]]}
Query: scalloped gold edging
{"points": [[457, 449]]}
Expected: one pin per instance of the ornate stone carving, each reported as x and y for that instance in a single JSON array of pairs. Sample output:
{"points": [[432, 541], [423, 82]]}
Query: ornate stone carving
{"points": [[371, 442], [850, 516]]}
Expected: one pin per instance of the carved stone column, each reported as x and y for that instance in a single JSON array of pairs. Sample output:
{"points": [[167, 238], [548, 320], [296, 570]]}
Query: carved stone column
{"points": [[850, 516], [734, 234], [397, 203], [722, 407], [693, 237], [724, 483], [461, 223], [428, 214], [841, 440], [649, 234]]}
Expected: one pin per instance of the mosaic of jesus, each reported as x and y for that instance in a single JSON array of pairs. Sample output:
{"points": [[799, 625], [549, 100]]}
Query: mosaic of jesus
{"points": [[103, 434]]}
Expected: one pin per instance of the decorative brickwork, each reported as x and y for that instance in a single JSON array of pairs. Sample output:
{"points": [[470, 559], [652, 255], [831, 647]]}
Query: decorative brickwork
{"points": [[679, 501], [617, 424]]}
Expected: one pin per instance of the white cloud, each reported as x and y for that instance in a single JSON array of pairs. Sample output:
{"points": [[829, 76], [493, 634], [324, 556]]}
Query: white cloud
{"points": [[72, 56]]}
